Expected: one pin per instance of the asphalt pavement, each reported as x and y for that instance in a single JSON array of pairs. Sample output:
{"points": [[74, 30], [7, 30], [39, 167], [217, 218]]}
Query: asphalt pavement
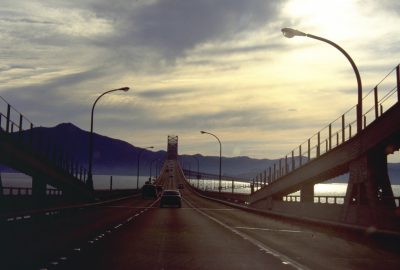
{"points": [[203, 234]]}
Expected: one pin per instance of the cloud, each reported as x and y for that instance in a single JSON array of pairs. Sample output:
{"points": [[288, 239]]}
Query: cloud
{"points": [[172, 27], [221, 65]]}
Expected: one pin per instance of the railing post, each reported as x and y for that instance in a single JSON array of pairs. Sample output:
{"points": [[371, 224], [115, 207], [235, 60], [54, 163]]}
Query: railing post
{"points": [[286, 165], [309, 149], [337, 139], [343, 129], [326, 145], [274, 171], [280, 167], [318, 144], [365, 121], [8, 118], [330, 136], [376, 101], [300, 158], [398, 82], [349, 131], [31, 135], [270, 175], [20, 122], [293, 164], [265, 177]]}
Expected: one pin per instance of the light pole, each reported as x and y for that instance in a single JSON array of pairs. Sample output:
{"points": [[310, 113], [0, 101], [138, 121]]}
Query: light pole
{"points": [[151, 165], [289, 33], [220, 157], [198, 170], [138, 161], [89, 182]]}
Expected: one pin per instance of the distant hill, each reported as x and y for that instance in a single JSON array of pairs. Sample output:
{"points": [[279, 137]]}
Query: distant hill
{"points": [[117, 157]]}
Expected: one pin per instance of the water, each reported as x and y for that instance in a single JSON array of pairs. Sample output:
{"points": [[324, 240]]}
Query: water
{"points": [[331, 189], [130, 182], [99, 181]]}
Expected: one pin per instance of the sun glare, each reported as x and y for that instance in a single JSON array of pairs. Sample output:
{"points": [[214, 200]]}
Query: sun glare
{"points": [[331, 17]]}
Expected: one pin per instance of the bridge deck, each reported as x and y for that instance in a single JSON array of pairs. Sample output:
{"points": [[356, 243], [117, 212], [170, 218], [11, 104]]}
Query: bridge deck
{"points": [[137, 234]]}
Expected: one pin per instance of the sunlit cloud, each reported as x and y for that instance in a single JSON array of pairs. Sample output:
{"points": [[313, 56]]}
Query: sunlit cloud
{"points": [[222, 66]]}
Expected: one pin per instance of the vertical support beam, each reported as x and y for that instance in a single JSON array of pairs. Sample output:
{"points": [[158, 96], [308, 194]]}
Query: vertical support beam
{"points": [[309, 149], [369, 196], [307, 193], [8, 118], [319, 144], [376, 102], [111, 183]]}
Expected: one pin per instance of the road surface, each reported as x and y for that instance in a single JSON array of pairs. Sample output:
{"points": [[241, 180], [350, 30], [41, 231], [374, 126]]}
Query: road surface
{"points": [[137, 234]]}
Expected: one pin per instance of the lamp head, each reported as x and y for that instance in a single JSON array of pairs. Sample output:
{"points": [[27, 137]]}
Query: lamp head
{"points": [[289, 32], [124, 89], [150, 147], [202, 132]]}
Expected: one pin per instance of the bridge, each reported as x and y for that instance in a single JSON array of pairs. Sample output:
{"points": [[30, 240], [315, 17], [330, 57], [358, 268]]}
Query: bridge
{"points": [[216, 230]]}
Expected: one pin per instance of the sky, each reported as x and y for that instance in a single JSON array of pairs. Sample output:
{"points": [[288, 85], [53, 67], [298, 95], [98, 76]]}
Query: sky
{"points": [[222, 66]]}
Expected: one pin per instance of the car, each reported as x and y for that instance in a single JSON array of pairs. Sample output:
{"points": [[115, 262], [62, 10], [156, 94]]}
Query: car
{"points": [[159, 189], [171, 197], [149, 191]]}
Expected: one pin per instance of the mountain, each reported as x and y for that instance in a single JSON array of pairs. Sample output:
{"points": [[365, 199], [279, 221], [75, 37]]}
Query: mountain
{"points": [[116, 157]]}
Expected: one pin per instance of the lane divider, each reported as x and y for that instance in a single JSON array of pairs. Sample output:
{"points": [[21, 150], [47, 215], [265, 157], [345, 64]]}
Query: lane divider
{"points": [[285, 259], [54, 263]]}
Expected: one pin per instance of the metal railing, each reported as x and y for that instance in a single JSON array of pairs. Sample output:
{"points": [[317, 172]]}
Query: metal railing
{"points": [[377, 101], [317, 199], [27, 191], [21, 129]]}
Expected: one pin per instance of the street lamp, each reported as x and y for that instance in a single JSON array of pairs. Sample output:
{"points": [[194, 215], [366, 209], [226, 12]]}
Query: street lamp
{"points": [[151, 165], [138, 160], [220, 157], [289, 33], [89, 181]]}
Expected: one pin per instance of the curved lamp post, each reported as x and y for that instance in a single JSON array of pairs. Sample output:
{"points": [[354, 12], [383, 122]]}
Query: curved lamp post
{"points": [[151, 165], [220, 157], [138, 161], [289, 33], [89, 181]]}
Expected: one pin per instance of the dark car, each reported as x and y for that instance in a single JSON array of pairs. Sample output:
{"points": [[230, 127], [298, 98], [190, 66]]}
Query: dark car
{"points": [[149, 191], [171, 198]]}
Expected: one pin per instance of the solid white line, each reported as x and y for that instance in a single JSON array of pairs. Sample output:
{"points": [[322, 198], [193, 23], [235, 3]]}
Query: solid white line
{"points": [[267, 229], [119, 225], [253, 241]]}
